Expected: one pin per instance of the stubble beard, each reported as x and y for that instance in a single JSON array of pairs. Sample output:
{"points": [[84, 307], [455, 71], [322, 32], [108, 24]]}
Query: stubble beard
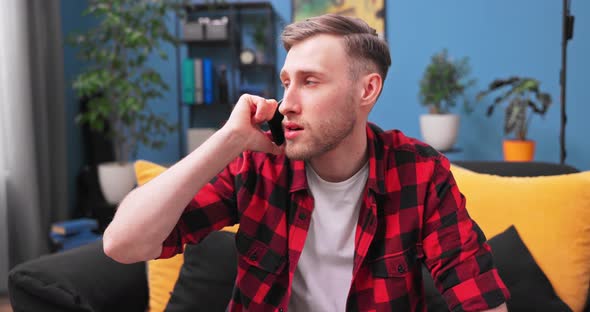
{"points": [[326, 136]]}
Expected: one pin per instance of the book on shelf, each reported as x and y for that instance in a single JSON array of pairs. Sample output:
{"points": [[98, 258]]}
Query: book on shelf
{"points": [[198, 81], [198, 66], [188, 81], [208, 80]]}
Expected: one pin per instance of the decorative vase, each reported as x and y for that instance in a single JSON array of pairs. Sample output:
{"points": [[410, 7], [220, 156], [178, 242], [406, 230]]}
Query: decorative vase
{"points": [[519, 150], [440, 130], [116, 181]]}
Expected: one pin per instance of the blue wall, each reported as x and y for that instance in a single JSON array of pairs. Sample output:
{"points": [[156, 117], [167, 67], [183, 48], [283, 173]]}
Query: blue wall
{"points": [[501, 38], [72, 20]]}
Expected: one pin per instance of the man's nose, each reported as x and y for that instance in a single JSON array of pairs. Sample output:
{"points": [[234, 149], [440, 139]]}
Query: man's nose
{"points": [[289, 105]]}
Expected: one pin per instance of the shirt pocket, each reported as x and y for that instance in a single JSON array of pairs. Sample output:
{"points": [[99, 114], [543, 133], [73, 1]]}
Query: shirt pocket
{"points": [[257, 257], [393, 265]]}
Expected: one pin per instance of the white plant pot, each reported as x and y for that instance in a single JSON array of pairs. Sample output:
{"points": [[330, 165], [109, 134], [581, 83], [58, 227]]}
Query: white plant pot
{"points": [[115, 181], [440, 130]]}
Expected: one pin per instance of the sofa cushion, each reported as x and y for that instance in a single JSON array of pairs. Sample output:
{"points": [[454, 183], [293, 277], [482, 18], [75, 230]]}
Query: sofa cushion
{"points": [[552, 215], [67, 281], [207, 277], [529, 288]]}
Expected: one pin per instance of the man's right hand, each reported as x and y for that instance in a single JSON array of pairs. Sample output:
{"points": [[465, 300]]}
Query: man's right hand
{"points": [[245, 120], [149, 213]]}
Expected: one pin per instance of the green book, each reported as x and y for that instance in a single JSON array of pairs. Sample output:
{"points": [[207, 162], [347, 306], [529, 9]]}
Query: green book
{"points": [[188, 81]]}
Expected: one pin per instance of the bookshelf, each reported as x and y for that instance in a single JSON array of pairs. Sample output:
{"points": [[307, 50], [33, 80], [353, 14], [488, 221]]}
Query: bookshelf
{"points": [[258, 77]]}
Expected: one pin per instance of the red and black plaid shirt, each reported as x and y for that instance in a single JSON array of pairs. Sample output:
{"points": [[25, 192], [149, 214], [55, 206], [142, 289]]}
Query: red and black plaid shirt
{"points": [[412, 212]]}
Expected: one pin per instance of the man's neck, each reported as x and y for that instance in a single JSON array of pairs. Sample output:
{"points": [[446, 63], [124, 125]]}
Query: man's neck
{"points": [[345, 160]]}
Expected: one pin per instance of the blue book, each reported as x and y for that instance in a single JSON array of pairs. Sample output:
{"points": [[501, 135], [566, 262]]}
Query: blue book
{"points": [[59, 238], [208, 80], [188, 81], [70, 227], [63, 242], [79, 240]]}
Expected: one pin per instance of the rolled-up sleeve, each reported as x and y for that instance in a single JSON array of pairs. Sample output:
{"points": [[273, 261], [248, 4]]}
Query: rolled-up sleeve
{"points": [[455, 248], [211, 209]]}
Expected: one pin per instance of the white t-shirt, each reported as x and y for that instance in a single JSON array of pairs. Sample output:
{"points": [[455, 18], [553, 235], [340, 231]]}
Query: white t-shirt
{"points": [[324, 271]]}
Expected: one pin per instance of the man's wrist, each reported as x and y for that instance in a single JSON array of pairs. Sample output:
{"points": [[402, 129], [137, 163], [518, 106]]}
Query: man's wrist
{"points": [[234, 139]]}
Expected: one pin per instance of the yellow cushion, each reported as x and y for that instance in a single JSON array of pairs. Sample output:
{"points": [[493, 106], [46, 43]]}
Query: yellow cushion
{"points": [[161, 273], [552, 215]]}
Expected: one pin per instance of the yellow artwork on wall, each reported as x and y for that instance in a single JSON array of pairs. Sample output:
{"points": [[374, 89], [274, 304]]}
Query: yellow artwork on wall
{"points": [[371, 11]]}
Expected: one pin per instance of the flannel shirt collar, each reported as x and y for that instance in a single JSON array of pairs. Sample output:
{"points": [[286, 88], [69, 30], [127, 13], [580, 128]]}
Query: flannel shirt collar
{"points": [[376, 180]]}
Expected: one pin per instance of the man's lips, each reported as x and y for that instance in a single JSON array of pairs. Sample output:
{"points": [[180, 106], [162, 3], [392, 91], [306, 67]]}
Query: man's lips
{"points": [[291, 130], [291, 126]]}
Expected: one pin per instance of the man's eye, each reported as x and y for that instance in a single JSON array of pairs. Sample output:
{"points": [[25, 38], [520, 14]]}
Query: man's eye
{"points": [[285, 85], [310, 82]]}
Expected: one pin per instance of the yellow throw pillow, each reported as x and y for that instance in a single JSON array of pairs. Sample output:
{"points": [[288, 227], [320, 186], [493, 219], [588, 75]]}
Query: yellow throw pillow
{"points": [[552, 215], [162, 274]]}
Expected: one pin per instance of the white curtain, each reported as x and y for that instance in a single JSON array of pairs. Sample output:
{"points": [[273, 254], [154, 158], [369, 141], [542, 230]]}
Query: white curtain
{"points": [[33, 118], [3, 202]]}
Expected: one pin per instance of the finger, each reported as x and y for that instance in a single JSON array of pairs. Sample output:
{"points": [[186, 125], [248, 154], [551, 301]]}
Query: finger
{"points": [[265, 110]]}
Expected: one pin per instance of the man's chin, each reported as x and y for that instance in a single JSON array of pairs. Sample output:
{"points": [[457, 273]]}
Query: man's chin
{"points": [[296, 154]]}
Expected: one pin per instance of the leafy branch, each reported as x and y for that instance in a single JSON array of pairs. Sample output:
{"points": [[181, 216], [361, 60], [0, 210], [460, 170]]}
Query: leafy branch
{"points": [[444, 82], [119, 81], [523, 98]]}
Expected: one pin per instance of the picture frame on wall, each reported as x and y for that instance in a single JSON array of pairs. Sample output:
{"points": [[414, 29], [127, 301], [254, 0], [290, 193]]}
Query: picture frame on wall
{"points": [[371, 11]]}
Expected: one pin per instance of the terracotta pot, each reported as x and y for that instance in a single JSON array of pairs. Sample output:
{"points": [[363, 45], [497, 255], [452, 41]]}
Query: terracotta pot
{"points": [[518, 150]]}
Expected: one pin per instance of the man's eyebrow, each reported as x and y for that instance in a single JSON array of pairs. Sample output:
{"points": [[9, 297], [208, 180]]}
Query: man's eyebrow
{"points": [[304, 72]]}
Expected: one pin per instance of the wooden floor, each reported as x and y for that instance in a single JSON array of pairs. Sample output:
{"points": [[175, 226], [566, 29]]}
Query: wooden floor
{"points": [[4, 304]]}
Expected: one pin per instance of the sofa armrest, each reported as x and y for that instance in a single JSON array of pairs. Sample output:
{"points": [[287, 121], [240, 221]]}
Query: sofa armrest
{"points": [[81, 279]]}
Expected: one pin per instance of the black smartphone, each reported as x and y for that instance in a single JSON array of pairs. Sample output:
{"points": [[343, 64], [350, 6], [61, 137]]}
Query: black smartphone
{"points": [[276, 127]]}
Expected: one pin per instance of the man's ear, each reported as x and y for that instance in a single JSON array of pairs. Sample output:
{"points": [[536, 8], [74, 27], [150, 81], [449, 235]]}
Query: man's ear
{"points": [[371, 88]]}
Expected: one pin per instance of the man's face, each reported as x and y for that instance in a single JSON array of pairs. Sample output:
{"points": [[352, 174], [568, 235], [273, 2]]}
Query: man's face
{"points": [[319, 102]]}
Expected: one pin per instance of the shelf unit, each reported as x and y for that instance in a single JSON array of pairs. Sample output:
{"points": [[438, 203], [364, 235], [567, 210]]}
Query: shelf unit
{"points": [[261, 77]]}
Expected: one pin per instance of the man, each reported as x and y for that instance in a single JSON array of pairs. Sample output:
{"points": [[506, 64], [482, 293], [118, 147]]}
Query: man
{"points": [[339, 217]]}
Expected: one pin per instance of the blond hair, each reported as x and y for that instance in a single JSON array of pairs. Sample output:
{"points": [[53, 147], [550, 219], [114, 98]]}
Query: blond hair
{"points": [[360, 40]]}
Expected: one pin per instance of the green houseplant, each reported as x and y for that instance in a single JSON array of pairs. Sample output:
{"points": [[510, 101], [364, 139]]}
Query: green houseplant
{"points": [[443, 84], [119, 81], [523, 99]]}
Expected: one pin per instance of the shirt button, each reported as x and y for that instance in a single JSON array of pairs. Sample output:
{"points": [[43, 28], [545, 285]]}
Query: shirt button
{"points": [[302, 216], [280, 309], [253, 257], [401, 269]]}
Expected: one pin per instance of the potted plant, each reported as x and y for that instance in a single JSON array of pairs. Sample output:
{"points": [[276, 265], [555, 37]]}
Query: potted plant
{"points": [[119, 82], [523, 98], [443, 84]]}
